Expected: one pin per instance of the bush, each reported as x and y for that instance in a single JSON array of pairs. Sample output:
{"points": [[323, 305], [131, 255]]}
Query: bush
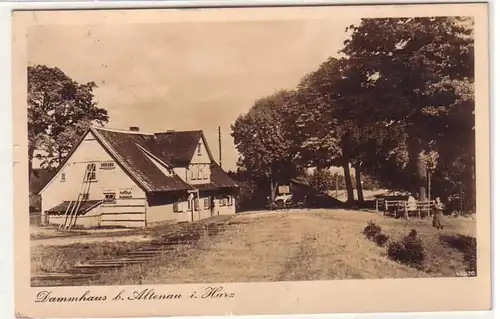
{"points": [[372, 230], [381, 239], [409, 251], [374, 233]]}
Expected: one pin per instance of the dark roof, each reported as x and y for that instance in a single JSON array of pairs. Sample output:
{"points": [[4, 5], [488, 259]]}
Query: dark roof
{"points": [[125, 147], [218, 179], [177, 147], [171, 149], [85, 206]]}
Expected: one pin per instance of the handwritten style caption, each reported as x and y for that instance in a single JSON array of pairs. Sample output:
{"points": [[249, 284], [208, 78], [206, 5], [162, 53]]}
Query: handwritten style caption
{"points": [[48, 296]]}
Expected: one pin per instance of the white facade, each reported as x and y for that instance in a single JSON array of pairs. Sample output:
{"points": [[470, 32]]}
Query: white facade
{"points": [[124, 202], [109, 179]]}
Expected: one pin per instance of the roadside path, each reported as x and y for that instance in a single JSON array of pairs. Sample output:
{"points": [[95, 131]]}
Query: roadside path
{"points": [[85, 239]]}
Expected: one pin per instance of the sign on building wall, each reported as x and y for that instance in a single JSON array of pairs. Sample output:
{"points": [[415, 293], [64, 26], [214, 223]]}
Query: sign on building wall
{"points": [[125, 193], [284, 189]]}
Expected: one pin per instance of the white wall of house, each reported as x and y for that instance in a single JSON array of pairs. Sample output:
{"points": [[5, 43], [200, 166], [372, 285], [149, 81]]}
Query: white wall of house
{"points": [[225, 207], [129, 207], [124, 211], [66, 184], [200, 155], [199, 167], [160, 213], [182, 172], [203, 210], [89, 220]]}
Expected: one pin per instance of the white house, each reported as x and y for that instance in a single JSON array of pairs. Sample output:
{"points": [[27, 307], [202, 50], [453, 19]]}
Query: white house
{"points": [[134, 179]]}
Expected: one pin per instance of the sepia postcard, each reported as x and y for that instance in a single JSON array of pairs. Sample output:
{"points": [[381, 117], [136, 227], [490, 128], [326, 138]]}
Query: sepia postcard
{"points": [[250, 161]]}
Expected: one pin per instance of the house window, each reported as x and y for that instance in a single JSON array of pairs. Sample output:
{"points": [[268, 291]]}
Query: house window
{"points": [[229, 201], [107, 165], [109, 197], [63, 177], [199, 149], [196, 204], [198, 172], [192, 173], [203, 172], [206, 203], [91, 172], [189, 204], [222, 201], [177, 207], [85, 196]]}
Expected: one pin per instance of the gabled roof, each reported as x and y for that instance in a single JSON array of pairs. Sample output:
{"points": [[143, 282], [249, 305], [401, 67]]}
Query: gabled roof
{"points": [[125, 147], [218, 179], [178, 147], [135, 152]]}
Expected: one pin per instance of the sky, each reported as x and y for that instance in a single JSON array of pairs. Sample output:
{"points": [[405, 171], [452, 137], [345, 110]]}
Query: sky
{"points": [[185, 76]]}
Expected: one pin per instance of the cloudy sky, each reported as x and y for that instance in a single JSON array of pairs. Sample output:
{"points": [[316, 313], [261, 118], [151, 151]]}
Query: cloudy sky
{"points": [[185, 76]]}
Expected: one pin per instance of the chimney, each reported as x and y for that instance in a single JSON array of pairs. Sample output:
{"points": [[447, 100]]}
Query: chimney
{"points": [[134, 129], [170, 131]]}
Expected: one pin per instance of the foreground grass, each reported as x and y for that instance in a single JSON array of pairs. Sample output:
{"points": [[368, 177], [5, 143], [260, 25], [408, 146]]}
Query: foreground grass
{"points": [[309, 245], [60, 258]]}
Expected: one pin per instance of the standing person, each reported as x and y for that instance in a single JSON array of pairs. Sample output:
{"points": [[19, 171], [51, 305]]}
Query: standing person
{"points": [[438, 208], [411, 205]]}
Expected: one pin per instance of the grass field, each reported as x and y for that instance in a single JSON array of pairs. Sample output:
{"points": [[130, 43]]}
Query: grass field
{"points": [[270, 246]]}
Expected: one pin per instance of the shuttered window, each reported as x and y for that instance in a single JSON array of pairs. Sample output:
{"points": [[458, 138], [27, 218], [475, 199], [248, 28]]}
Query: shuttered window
{"points": [[222, 201], [178, 207]]}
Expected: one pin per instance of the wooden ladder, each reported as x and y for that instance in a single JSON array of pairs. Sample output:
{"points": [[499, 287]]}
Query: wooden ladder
{"points": [[73, 206]]}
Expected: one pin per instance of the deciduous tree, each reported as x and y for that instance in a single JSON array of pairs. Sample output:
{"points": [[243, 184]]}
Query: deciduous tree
{"points": [[420, 72], [59, 111], [261, 138]]}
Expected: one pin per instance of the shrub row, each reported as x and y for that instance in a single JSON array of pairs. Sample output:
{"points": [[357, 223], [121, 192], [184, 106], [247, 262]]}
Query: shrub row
{"points": [[409, 250], [374, 233]]}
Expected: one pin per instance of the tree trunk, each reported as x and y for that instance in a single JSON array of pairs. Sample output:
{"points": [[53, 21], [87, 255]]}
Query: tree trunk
{"points": [[274, 186], [415, 147], [422, 180], [348, 182], [272, 191], [359, 185], [31, 153]]}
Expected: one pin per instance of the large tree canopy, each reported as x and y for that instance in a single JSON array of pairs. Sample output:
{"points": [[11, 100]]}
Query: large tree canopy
{"points": [[397, 105], [420, 74], [267, 152], [59, 111]]}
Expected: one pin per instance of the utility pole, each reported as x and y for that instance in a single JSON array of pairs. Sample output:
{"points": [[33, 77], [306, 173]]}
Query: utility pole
{"points": [[220, 149]]}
